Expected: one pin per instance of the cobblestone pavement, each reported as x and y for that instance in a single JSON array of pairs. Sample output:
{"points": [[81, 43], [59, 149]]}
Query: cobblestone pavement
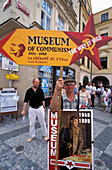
{"points": [[17, 154]]}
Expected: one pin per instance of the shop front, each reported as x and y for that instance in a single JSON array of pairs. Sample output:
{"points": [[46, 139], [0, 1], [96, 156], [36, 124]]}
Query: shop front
{"points": [[48, 76]]}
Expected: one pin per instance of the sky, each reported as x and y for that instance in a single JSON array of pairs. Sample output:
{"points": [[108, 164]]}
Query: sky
{"points": [[99, 5]]}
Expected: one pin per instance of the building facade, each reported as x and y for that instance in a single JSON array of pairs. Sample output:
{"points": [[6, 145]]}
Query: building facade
{"points": [[61, 15], [84, 14], [103, 26]]}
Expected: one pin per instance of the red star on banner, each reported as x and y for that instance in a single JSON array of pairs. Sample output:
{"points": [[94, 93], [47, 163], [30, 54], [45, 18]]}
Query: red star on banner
{"points": [[69, 164], [87, 43]]}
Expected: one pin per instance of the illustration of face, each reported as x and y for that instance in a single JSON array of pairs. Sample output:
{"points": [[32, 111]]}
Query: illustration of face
{"points": [[75, 122], [17, 47]]}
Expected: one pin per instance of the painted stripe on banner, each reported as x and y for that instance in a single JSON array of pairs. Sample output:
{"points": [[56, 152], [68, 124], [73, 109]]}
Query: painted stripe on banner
{"points": [[60, 162], [82, 165]]}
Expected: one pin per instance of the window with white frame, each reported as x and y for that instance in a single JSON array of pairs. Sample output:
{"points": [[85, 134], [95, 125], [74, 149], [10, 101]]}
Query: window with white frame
{"points": [[60, 25], [45, 15], [104, 17]]}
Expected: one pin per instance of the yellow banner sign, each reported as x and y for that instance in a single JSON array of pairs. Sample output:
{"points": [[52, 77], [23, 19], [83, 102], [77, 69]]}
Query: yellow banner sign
{"points": [[12, 76], [39, 47], [53, 48]]}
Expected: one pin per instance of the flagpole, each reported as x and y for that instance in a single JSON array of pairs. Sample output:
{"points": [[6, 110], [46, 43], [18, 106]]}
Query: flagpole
{"points": [[59, 115]]}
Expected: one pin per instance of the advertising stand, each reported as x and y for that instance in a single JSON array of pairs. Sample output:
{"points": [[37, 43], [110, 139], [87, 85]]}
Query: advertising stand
{"points": [[8, 101], [82, 159]]}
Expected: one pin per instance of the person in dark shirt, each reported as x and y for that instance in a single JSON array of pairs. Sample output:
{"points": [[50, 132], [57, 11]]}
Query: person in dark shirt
{"points": [[35, 97]]}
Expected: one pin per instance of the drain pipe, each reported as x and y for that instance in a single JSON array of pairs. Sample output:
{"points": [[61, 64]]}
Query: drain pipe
{"points": [[80, 4]]}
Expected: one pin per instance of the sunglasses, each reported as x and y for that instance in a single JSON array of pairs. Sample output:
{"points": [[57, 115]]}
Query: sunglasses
{"points": [[68, 84]]}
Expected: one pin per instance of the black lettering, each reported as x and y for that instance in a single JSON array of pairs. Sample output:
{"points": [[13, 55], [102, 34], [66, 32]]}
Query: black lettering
{"points": [[57, 41], [64, 41], [31, 40], [46, 40], [51, 42], [40, 40]]}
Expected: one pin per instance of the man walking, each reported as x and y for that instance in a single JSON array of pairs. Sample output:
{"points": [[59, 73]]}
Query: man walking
{"points": [[100, 91], [93, 94], [89, 89], [35, 97]]}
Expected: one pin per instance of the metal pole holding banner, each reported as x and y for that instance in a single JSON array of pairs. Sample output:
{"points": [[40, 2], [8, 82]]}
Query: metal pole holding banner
{"points": [[10, 81], [59, 115]]}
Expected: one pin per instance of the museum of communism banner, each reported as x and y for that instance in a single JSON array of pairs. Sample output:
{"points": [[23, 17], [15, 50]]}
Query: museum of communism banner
{"points": [[53, 48]]}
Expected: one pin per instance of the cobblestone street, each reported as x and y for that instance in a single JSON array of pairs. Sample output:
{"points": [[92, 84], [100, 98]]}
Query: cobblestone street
{"points": [[17, 154]]}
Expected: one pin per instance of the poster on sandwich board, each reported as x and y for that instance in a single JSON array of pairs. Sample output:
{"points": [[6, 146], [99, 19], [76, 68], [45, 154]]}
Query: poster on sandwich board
{"points": [[75, 149]]}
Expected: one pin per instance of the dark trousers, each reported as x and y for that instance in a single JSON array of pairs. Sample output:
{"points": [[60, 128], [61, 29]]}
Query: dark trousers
{"points": [[92, 99]]}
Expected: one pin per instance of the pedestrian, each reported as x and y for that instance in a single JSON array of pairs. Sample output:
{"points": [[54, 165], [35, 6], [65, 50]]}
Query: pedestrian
{"points": [[105, 99], [35, 97], [76, 92], [89, 89], [70, 139], [68, 99], [100, 91], [80, 86], [109, 97], [84, 96], [93, 94]]}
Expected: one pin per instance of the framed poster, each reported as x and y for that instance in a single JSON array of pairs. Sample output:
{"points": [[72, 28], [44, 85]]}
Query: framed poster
{"points": [[75, 149], [8, 64], [45, 84]]}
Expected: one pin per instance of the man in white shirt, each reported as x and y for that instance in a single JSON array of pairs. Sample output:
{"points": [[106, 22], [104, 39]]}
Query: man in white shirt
{"points": [[93, 94], [100, 91]]}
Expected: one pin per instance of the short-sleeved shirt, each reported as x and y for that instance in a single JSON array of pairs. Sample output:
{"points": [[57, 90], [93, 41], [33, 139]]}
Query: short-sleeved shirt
{"points": [[76, 90], [93, 90], [34, 98], [67, 104], [89, 88], [100, 91], [84, 96]]}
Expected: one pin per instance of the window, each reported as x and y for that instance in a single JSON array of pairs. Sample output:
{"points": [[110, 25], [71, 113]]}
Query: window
{"points": [[83, 60], [105, 34], [45, 76], [83, 26], [104, 17], [103, 61], [71, 2], [88, 12], [45, 15], [85, 3], [88, 63], [60, 25]]}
